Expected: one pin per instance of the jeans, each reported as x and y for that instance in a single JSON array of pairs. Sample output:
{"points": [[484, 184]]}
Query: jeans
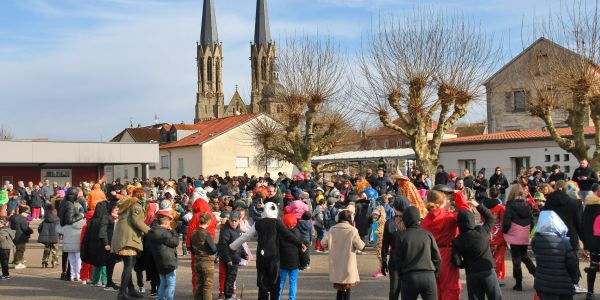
{"points": [[167, 285], [419, 283], [231, 274], [204, 270], [75, 262], [482, 284], [4, 255], [293, 274]]}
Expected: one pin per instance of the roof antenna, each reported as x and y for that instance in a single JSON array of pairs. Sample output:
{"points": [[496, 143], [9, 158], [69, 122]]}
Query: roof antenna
{"points": [[155, 119], [130, 122]]}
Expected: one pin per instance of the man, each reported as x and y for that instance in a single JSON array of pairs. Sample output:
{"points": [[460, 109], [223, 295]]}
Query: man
{"points": [[468, 178], [382, 184], [182, 186], [441, 177], [460, 186], [268, 179], [47, 190], [499, 181], [556, 175], [370, 176], [585, 177]]}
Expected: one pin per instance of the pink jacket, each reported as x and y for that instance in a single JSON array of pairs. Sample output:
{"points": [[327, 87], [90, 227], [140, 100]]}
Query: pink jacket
{"points": [[297, 207]]}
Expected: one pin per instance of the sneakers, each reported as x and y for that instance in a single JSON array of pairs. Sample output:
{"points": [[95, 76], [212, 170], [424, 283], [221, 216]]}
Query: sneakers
{"points": [[111, 288], [377, 274], [7, 277], [579, 289], [141, 290], [153, 295], [590, 296], [221, 296], [518, 287], [20, 266], [502, 283]]}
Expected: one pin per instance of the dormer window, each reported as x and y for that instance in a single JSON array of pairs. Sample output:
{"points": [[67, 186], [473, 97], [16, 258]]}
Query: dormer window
{"points": [[164, 136], [173, 136]]}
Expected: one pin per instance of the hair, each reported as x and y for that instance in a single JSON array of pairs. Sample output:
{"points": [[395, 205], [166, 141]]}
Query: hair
{"points": [[516, 191], [204, 218], [162, 218], [435, 199], [544, 186], [139, 193], [560, 185], [344, 216], [495, 193], [24, 209], [322, 201]]}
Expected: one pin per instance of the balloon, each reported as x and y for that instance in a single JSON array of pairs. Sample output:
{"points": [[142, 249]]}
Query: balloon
{"points": [[371, 193]]}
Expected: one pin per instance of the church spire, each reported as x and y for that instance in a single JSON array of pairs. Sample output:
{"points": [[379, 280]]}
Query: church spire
{"points": [[208, 33], [262, 31]]}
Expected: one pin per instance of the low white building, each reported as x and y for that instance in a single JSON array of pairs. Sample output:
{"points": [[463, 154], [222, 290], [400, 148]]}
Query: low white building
{"points": [[510, 151]]}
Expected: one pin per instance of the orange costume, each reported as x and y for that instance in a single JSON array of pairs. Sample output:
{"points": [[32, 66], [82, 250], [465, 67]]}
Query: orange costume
{"points": [[409, 190], [443, 225], [199, 207], [95, 196]]}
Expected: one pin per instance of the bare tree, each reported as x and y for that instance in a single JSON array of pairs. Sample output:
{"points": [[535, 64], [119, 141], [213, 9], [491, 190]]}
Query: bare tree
{"points": [[424, 68], [5, 133], [568, 79], [312, 75]]}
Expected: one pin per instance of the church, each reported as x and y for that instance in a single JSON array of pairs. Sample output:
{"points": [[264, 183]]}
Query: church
{"points": [[265, 85]]}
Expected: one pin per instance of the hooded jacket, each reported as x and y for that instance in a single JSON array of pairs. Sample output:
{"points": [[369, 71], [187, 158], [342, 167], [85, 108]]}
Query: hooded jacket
{"points": [[71, 241], [556, 261], [94, 239], [570, 212], [47, 230], [471, 249], [130, 226], [163, 246], [66, 209], [415, 249], [95, 196], [199, 207], [19, 224], [227, 235], [591, 236]]}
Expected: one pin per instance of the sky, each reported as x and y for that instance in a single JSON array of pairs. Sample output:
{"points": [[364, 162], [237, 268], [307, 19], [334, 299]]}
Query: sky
{"points": [[82, 69]]}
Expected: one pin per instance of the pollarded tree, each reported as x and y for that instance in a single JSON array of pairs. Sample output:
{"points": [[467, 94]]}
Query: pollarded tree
{"points": [[568, 79], [311, 73], [425, 68]]}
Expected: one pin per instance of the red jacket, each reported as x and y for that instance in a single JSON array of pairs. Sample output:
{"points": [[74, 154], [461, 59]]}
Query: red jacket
{"points": [[497, 209], [200, 206], [442, 224]]}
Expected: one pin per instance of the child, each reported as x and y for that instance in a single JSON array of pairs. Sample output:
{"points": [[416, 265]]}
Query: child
{"points": [[290, 258], [305, 226], [185, 222], [244, 227], [389, 210], [497, 243], [6, 243], [378, 226], [71, 244], [49, 237], [163, 242], [19, 224], [224, 218], [203, 248], [319, 220], [231, 258]]}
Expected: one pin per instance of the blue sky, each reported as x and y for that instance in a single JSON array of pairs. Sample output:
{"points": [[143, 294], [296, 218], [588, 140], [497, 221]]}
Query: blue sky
{"points": [[80, 69]]}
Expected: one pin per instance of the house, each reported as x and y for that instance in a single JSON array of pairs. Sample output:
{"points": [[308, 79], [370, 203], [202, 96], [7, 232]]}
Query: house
{"points": [[386, 138], [139, 134], [471, 129], [510, 151], [509, 88], [213, 147]]}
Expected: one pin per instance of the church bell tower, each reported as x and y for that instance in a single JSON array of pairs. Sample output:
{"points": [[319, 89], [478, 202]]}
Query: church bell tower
{"points": [[262, 55]]}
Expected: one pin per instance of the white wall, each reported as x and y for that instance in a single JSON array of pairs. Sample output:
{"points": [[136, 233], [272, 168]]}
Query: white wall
{"points": [[192, 160], [490, 156]]}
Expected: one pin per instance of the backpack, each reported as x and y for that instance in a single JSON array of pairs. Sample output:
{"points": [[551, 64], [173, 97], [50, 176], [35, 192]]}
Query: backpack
{"points": [[329, 217], [596, 226]]}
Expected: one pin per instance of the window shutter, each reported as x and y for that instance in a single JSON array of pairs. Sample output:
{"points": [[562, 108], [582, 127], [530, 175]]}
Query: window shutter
{"points": [[508, 102]]}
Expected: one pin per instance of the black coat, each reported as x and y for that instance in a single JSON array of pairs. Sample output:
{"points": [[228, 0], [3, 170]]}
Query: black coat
{"points": [[557, 176], [96, 237], [226, 236], [570, 212], [67, 213], [37, 199], [388, 241], [585, 185], [163, 247], [20, 225], [362, 217], [471, 249], [500, 181], [518, 212], [47, 230], [270, 233], [556, 264], [590, 213], [290, 253]]}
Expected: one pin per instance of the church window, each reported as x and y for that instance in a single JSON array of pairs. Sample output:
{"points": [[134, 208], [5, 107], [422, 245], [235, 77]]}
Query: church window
{"points": [[209, 70], [255, 69], [201, 74], [519, 98], [263, 68], [218, 65]]}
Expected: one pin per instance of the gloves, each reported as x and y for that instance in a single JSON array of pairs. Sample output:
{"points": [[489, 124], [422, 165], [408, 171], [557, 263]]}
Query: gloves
{"points": [[384, 268]]}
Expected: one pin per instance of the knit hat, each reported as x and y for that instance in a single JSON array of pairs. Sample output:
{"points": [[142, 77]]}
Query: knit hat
{"points": [[60, 193], [304, 195], [165, 205], [331, 200], [197, 184], [235, 215]]}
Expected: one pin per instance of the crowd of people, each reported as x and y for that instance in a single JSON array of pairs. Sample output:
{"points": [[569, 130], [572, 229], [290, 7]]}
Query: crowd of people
{"points": [[423, 231]]}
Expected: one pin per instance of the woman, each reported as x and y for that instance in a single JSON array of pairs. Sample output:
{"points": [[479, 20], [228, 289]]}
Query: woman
{"points": [[516, 226], [557, 262], [387, 246], [127, 238], [343, 241], [441, 222]]}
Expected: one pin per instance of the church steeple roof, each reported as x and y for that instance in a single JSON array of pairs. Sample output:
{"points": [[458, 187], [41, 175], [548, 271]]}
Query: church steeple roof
{"points": [[262, 31], [208, 33]]}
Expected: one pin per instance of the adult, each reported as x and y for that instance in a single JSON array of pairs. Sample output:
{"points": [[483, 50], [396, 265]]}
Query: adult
{"points": [[441, 177], [95, 196], [468, 178], [127, 238], [556, 175], [388, 247], [499, 181], [480, 185], [362, 216], [585, 177], [591, 241], [382, 184], [95, 249], [343, 242], [468, 192], [516, 226]]}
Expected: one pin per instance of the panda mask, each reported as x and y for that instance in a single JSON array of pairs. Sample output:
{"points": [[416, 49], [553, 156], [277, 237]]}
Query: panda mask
{"points": [[270, 211]]}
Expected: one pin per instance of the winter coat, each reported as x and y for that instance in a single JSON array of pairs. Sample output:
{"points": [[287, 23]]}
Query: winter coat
{"points": [[95, 197], [382, 185], [290, 254], [47, 230], [305, 228], [590, 234], [37, 199], [388, 240], [96, 237], [19, 224], [498, 210], [163, 246], [329, 216], [471, 248], [296, 207], [500, 181], [343, 241], [585, 185], [67, 213], [7, 236], [557, 176], [47, 192], [570, 212], [441, 178], [226, 237], [362, 217], [71, 234], [518, 219], [318, 217], [130, 226], [557, 266], [415, 248], [202, 245]]}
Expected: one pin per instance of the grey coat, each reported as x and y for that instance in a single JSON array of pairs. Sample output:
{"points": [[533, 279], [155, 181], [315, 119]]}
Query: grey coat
{"points": [[6, 238], [71, 236]]}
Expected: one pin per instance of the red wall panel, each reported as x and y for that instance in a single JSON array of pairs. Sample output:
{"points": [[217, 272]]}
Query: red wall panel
{"points": [[78, 173]]}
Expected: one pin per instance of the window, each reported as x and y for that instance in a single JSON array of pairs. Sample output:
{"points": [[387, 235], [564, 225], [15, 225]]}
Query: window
{"points": [[566, 157], [547, 158], [126, 173], [470, 164], [556, 157], [209, 72], [548, 169], [164, 162], [398, 143], [567, 169], [386, 144], [218, 64], [519, 162], [519, 97], [263, 68], [242, 162], [202, 73], [136, 172], [373, 145], [273, 163], [152, 167], [407, 144], [180, 170]]}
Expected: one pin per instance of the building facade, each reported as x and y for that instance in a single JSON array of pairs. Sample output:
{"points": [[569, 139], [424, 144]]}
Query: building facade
{"points": [[387, 138]]}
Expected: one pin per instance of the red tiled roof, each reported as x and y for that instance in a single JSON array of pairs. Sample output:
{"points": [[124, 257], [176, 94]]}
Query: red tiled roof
{"points": [[513, 136], [384, 131], [207, 130]]}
